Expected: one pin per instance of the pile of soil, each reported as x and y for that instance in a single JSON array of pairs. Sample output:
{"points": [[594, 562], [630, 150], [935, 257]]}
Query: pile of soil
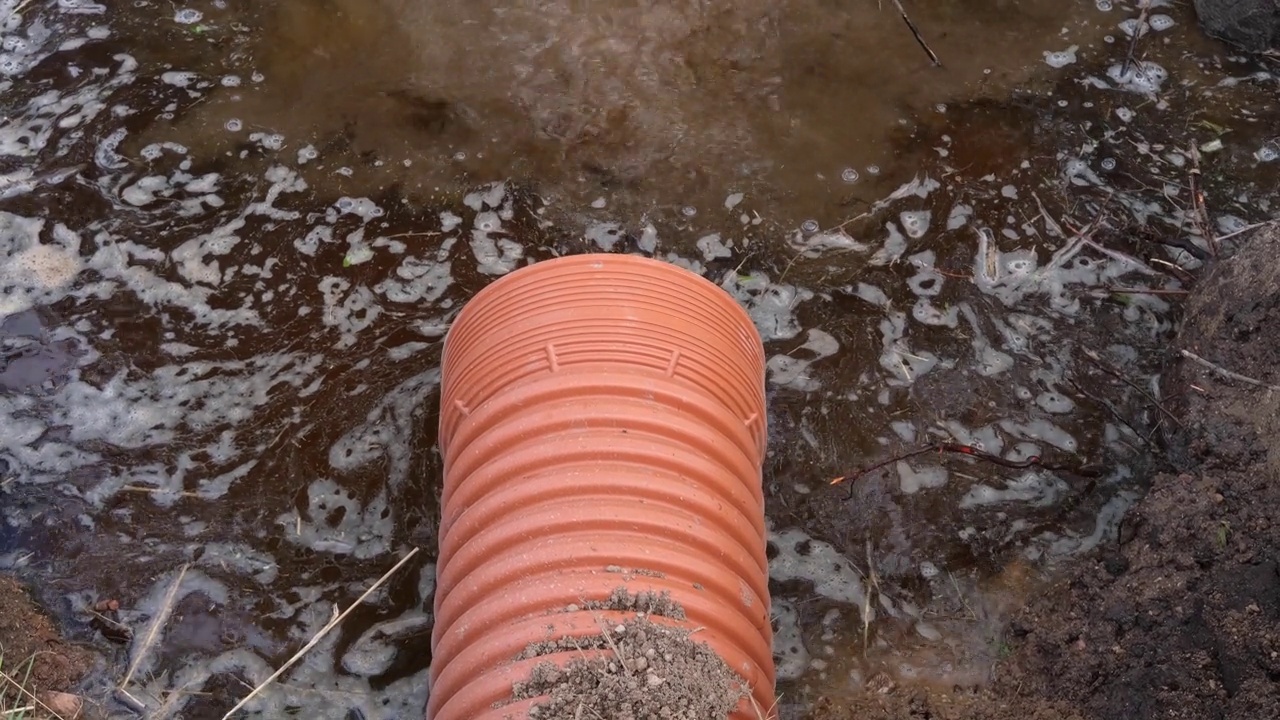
{"points": [[1180, 618], [33, 653], [651, 670]]}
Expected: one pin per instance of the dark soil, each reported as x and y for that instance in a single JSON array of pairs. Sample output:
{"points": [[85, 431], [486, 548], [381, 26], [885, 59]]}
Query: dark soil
{"points": [[32, 652], [1181, 618]]}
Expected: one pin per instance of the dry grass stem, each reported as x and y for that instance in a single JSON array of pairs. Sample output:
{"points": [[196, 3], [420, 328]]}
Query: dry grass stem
{"points": [[320, 635]]}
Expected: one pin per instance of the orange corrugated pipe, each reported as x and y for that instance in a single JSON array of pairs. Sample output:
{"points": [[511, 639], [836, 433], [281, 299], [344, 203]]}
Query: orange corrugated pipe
{"points": [[597, 411]]}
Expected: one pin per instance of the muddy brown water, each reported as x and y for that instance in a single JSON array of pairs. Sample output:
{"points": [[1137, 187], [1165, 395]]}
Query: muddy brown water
{"points": [[233, 234]]}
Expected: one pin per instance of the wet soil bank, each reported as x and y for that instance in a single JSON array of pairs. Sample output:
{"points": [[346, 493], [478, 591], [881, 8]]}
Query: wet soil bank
{"points": [[1181, 617], [38, 665]]}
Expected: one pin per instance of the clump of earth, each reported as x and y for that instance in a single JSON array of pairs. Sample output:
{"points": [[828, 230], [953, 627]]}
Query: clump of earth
{"points": [[38, 665], [647, 669]]}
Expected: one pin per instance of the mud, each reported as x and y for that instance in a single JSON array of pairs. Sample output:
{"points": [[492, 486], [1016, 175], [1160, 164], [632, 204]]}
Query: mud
{"points": [[33, 653], [1180, 616]]}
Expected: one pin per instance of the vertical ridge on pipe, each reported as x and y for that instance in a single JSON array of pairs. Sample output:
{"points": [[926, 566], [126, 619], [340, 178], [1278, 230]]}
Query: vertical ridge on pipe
{"points": [[597, 411]]}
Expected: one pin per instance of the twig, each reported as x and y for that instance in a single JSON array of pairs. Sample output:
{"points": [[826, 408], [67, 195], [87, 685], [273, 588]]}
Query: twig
{"points": [[960, 595], [848, 222], [933, 57], [1200, 214], [1177, 270], [1244, 229], [21, 6], [1227, 373], [866, 601], [1141, 291], [158, 491], [1097, 360], [158, 622], [1138, 31], [320, 635]]}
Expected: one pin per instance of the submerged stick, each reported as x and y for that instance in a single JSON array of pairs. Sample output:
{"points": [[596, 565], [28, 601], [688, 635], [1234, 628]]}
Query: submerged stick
{"points": [[933, 57], [1096, 359], [320, 635], [1138, 31]]}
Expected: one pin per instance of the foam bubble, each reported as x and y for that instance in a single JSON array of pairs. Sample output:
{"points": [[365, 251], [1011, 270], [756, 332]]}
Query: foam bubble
{"points": [[712, 247], [790, 656], [792, 369], [1161, 22], [912, 480], [801, 557], [1061, 58], [1144, 77], [915, 223], [771, 306], [179, 79], [187, 16]]}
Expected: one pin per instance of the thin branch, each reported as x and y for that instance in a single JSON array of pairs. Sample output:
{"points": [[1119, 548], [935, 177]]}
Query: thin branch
{"points": [[933, 57], [1227, 373], [1245, 229], [1096, 359]]}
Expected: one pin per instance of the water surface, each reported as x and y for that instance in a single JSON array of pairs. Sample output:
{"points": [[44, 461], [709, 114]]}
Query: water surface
{"points": [[232, 236]]}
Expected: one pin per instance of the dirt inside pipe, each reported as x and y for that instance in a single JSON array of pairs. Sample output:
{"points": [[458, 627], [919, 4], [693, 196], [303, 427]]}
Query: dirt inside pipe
{"points": [[653, 671]]}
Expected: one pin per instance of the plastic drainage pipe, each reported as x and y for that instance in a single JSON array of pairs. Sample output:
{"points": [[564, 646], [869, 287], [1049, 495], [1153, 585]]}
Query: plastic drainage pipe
{"points": [[598, 412]]}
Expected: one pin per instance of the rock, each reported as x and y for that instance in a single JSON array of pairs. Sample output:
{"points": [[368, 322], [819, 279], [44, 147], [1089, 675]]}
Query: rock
{"points": [[64, 705], [1251, 25]]}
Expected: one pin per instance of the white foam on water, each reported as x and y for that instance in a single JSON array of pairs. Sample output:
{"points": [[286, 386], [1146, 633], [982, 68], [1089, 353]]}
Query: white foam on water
{"points": [[892, 249], [712, 247], [959, 216], [801, 557], [915, 223], [790, 656], [772, 306], [1142, 76], [33, 271], [1061, 58], [605, 235], [363, 530], [1038, 489], [904, 364], [813, 245], [1041, 431], [792, 370], [912, 480], [495, 253]]}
